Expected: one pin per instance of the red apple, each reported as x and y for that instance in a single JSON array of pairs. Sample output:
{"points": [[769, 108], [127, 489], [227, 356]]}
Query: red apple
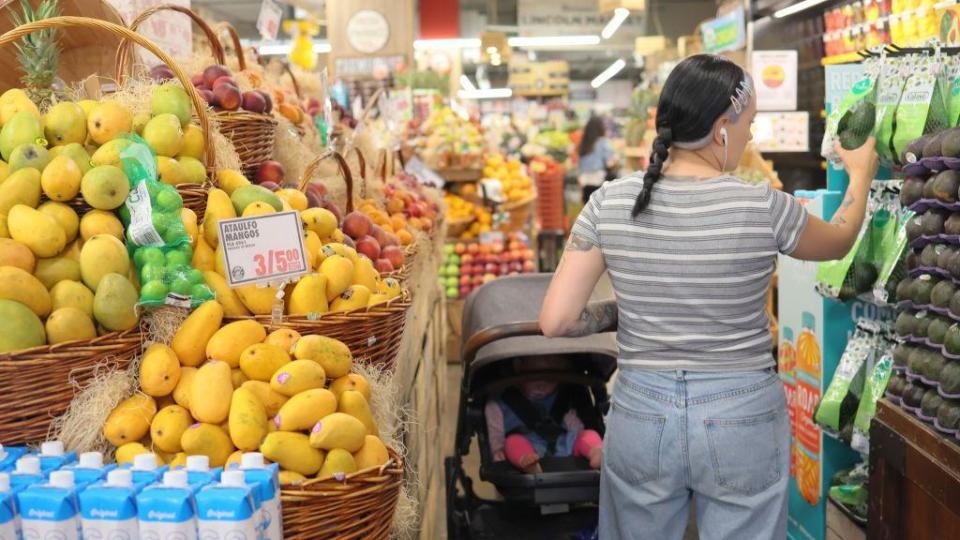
{"points": [[504, 269], [465, 291], [516, 266], [384, 267], [368, 245], [253, 102], [477, 280], [212, 73], [270, 171], [161, 73], [227, 96], [491, 268], [464, 280], [356, 225]]}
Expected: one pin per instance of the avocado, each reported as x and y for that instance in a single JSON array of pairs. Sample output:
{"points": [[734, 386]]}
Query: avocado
{"points": [[948, 415], [944, 256], [921, 289], [916, 359], [951, 341], [928, 189], [945, 185], [952, 224], [915, 228], [937, 330], [913, 394], [942, 293], [922, 325], [914, 151], [930, 403], [932, 222], [912, 191], [857, 125], [862, 276], [901, 353], [929, 255], [932, 147], [933, 366], [912, 261], [896, 384], [953, 265], [891, 285], [950, 378], [847, 292], [904, 288], [905, 324], [950, 143]]}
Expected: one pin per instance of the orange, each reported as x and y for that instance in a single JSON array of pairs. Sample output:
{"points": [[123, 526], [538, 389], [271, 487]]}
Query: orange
{"points": [[398, 222], [405, 237]]}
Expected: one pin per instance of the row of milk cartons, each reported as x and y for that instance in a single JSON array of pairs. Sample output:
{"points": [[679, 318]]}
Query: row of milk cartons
{"points": [[51, 494]]}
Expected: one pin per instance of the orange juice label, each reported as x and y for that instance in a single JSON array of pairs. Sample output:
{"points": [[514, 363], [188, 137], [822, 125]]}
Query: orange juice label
{"points": [[805, 400]]}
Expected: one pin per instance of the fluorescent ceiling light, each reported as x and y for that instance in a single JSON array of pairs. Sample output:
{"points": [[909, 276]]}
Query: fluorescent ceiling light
{"points": [[608, 73], [466, 83], [425, 44], [619, 15], [275, 49], [490, 93], [553, 41], [796, 8]]}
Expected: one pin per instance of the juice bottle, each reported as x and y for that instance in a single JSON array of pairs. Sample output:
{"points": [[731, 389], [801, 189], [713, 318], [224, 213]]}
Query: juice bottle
{"points": [[168, 510], [228, 509], [786, 367], [809, 377], [9, 520], [9, 456], [52, 456], [108, 509], [89, 469], [51, 510]]}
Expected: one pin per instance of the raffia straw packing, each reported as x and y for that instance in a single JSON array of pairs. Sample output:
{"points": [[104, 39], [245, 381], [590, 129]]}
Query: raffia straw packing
{"points": [[91, 406]]}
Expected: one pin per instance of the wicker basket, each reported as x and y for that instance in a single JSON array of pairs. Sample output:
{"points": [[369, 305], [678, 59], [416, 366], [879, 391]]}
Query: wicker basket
{"points": [[519, 212], [194, 195], [252, 134], [361, 506]]}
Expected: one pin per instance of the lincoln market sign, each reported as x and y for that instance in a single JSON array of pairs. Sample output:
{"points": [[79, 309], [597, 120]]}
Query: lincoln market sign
{"points": [[727, 33], [569, 17]]}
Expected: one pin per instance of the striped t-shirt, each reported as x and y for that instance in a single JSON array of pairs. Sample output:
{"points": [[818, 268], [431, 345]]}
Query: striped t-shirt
{"points": [[692, 270]]}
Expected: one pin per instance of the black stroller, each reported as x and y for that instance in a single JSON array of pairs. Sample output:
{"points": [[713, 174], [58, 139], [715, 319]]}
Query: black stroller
{"points": [[499, 327]]}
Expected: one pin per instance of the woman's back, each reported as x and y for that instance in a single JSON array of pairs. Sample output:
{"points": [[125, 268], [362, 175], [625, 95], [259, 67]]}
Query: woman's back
{"points": [[691, 272]]}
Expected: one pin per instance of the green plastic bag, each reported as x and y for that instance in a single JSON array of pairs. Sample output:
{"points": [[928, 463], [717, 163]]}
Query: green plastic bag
{"points": [[874, 389], [156, 237], [853, 121], [845, 279], [889, 90], [839, 404], [891, 251], [922, 109]]}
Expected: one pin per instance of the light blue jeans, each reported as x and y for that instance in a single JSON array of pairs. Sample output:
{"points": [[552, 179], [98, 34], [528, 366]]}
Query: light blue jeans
{"points": [[722, 439]]}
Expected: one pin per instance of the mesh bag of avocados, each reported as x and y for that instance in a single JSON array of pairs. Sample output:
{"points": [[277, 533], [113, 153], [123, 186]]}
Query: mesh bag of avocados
{"points": [[890, 246], [921, 113], [890, 87], [156, 237], [874, 389], [839, 404], [856, 273], [854, 119]]}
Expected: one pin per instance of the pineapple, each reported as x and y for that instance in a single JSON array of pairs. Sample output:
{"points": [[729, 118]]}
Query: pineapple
{"points": [[38, 52]]}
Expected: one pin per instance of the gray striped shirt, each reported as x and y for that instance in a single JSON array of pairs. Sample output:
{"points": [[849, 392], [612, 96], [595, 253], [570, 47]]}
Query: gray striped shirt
{"points": [[691, 272]]}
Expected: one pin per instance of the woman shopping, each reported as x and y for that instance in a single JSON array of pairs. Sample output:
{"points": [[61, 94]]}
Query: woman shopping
{"points": [[595, 157], [698, 412]]}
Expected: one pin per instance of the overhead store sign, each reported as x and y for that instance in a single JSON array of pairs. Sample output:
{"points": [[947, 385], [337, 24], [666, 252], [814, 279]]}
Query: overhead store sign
{"points": [[370, 37], [568, 17], [539, 78], [607, 6], [726, 33]]}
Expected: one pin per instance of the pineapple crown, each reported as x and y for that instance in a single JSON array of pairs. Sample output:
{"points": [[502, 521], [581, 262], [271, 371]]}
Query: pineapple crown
{"points": [[38, 52]]}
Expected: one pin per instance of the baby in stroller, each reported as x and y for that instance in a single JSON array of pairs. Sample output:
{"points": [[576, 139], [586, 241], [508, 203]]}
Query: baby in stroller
{"points": [[539, 417]]}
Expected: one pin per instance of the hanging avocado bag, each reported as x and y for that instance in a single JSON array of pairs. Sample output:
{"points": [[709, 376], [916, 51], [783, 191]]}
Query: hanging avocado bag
{"points": [[854, 119], [156, 237], [839, 404], [922, 110], [891, 251], [856, 273], [874, 389], [889, 90]]}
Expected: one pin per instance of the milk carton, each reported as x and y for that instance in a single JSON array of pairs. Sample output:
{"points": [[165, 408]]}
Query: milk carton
{"points": [[89, 469], [227, 510], [267, 479], [27, 473], [199, 473], [52, 456], [168, 510], [108, 509], [9, 456], [9, 520], [145, 471], [50, 510]]}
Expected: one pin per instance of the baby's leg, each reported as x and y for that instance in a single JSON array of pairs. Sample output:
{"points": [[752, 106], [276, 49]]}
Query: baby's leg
{"points": [[589, 445], [521, 454]]}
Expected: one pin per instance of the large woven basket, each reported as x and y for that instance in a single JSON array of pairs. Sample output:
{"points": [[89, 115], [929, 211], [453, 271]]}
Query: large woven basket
{"points": [[519, 213], [252, 134], [361, 506], [194, 195]]}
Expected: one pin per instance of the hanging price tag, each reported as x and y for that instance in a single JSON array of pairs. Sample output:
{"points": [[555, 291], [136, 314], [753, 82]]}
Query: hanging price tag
{"points": [[266, 248], [268, 23]]}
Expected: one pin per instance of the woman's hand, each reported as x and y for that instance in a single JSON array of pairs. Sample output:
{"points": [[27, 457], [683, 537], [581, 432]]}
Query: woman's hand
{"points": [[861, 164]]}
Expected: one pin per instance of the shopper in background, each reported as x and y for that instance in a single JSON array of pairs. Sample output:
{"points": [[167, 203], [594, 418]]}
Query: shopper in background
{"points": [[698, 411], [595, 157]]}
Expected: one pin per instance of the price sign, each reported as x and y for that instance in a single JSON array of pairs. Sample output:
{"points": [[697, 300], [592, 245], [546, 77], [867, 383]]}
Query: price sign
{"points": [[262, 249], [268, 22]]}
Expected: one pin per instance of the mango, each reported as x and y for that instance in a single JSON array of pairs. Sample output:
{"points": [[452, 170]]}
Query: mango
{"points": [[77, 153], [228, 342], [97, 222], [355, 297], [285, 338], [87, 105], [71, 294], [389, 286], [65, 123], [351, 381], [320, 221], [365, 274], [130, 419], [13, 101], [243, 196], [192, 145], [126, 452], [339, 273], [115, 303], [4, 230], [18, 285], [258, 300], [294, 197], [101, 255], [168, 427], [108, 120], [194, 172], [109, 153], [56, 269], [292, 451], [373, 453], [20, 328], [235, 460], [309, 296], [219, 261], [29, 155], [72, 250], [376, 299], [272, 401], [105, 187], [159, 371], [13, 253], [298, 376], [190, 340], [209, 393], [230, 180], [337, 464], [237, 378], [209, 440], [291, 478], [179, 461], [164, 133], [170, 171], [227, 297], [337, 248], [338, 430], [218, 207], [311, 242], [171, 98], [60, 180], [259, 361], [189, 219], [302, 411], [21, 187], [21, 128], [333, 355], [354, 404], [248, 420], [257, 208], [181, 392], [65, 216], [69, 324]]}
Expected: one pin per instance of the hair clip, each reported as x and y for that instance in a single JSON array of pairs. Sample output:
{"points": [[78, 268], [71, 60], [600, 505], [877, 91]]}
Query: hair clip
{"points": [[741, 96]]}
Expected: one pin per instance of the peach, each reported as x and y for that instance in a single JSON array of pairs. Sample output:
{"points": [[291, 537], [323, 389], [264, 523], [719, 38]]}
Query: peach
{"points": [[253, 102], [270, 171], [384, 266], [369, 246], [214, 72], [356, 225], [393, 254], [227, 96]]}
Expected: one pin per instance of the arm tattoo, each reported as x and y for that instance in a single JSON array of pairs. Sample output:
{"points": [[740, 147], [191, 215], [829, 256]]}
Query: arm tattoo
{"points": [[596, 317], [577, 243], [837, 216]]}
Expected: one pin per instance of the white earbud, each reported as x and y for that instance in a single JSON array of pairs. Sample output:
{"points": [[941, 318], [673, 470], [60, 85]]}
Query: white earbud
{"points": [[723, 135]]}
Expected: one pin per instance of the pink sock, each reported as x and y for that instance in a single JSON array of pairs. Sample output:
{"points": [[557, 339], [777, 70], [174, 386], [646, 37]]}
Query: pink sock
{"points": [[587, 440], [517, 447]]}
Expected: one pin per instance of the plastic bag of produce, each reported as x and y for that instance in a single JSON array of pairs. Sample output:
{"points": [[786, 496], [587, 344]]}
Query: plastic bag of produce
{"points": [[856, 273], [853, 121], [890, 251], [873, 390], [839, 403], [921, 114], [156, 237], [890, 87]]}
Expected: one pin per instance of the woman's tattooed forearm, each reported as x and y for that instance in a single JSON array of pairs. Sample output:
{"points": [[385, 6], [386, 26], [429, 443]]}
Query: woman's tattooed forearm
{"points": [[577, 243], [838, 218], [596, 317]]}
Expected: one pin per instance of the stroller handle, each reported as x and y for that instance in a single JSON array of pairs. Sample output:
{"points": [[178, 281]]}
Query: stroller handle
{"points": [[496, 333]]}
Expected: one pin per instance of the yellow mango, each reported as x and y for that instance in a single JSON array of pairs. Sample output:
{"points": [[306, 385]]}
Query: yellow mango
{"points": [[354, 404], [351, 381], [272, 401], [13, 253], [285, 338], [72, 294], [218, 207], [333, 355], [179, 461], [126, 452], [60, 179], [294, 197], [21, 187], [373, 453], [292, 451], [227, 297], [101, 255], [259, 300], [36, 230], [389, 286], [210, 392], [209, 440], [69, 324], [365, 274], [376, 299], [190, 341], [228, 342], [181, 393], [109, 153], [219, 261], [130, 420], [159, 371], [311, 242], [72, 251], [309, 296], [97, 222], [192, 142], [338, 430], [248, 420], [189, 219], [168, 426], [235, 460], [319, 220], [203, 256], [237, 378], [339, 273], [337, 464], [229, 180], [355, 297], [56, 269], [107, 120], [18, 285], [65, 216], [297, 376], [291, 478], [302, 411], [260, 361]]}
